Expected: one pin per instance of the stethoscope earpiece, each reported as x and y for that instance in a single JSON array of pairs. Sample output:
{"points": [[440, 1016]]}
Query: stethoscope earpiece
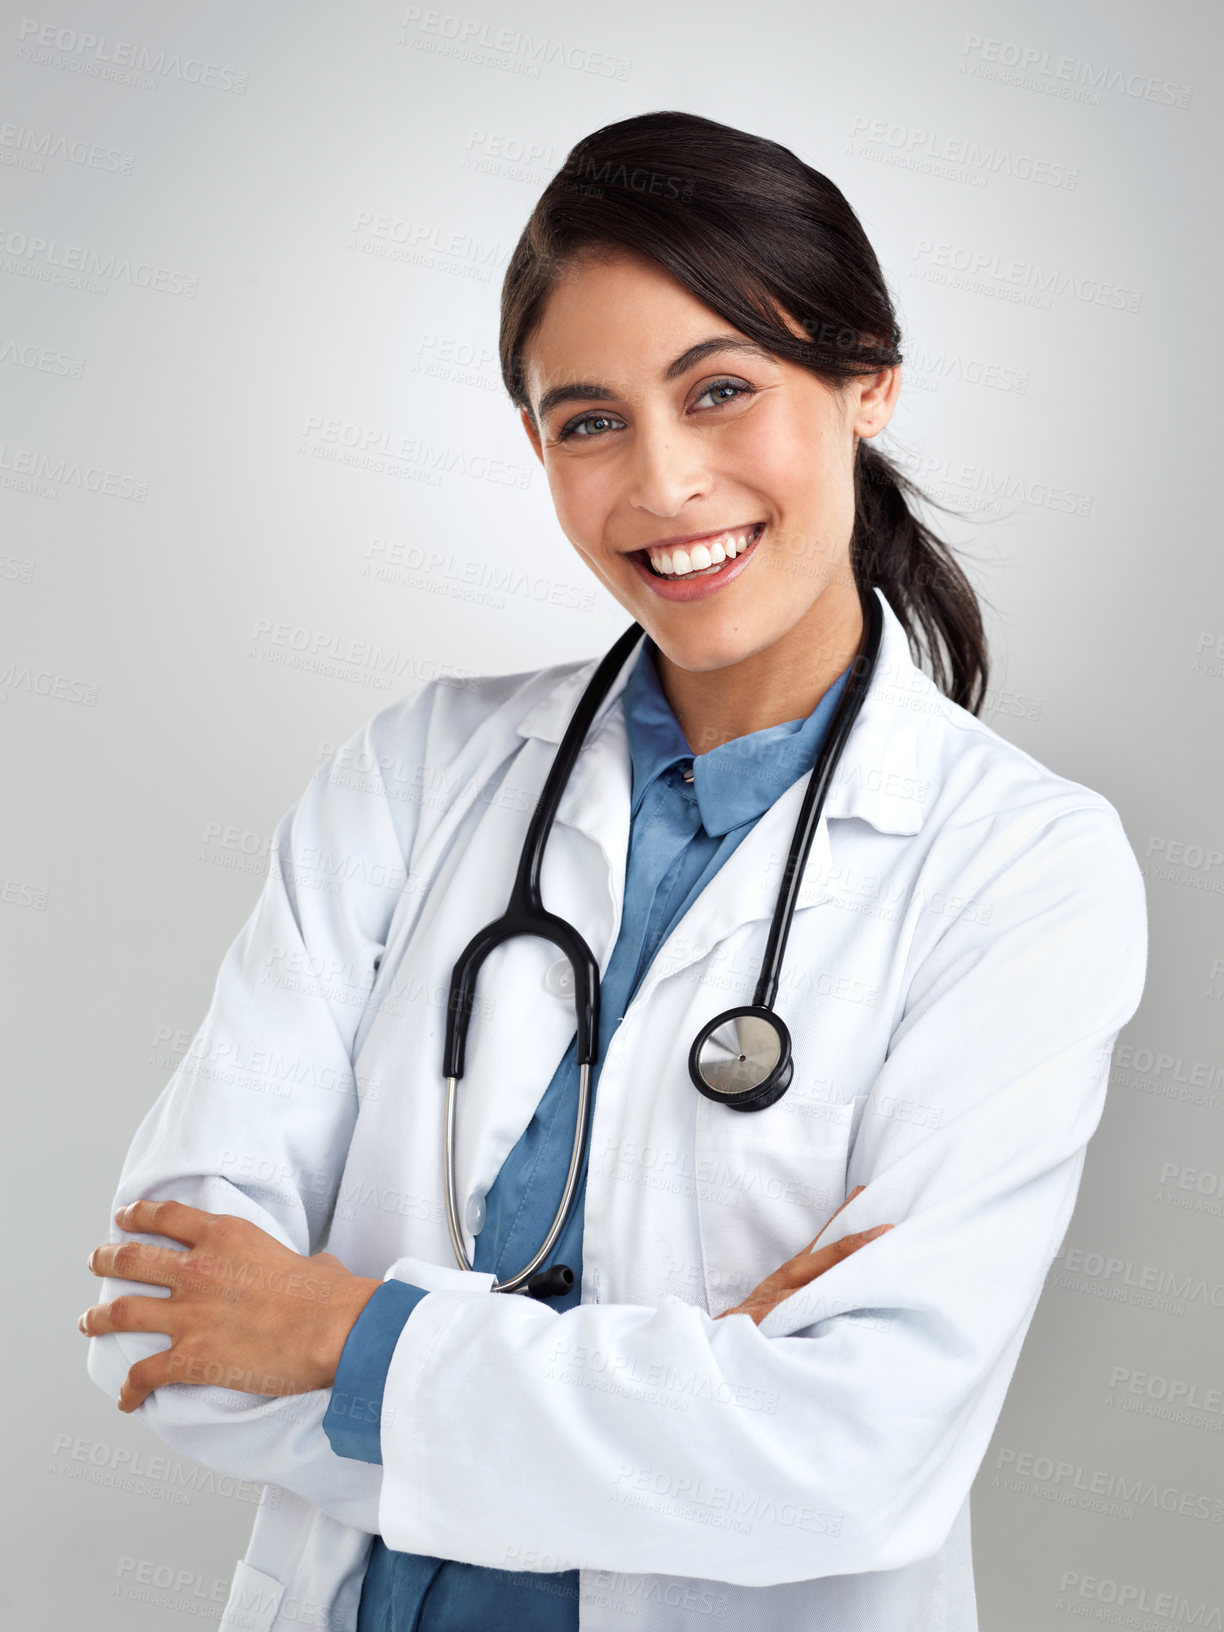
{"points": [[742, 1058]]}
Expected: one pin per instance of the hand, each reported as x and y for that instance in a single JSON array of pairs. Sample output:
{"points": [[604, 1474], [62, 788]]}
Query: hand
{"points": [[244, 1312], [804, 1267]]}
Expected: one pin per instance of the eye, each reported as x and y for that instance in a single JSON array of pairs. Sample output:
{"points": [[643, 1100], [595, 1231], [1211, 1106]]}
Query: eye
{"points": [[585, 419], [738, 386]]}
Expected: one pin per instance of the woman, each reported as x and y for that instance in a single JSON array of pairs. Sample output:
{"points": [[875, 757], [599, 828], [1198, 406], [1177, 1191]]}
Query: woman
{"points": [[715, 1420]]}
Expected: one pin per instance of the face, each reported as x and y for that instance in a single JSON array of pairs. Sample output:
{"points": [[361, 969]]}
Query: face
{"points": [[706, 483]]}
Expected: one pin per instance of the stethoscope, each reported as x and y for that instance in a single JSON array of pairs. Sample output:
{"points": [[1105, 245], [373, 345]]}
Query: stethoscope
{"points": [[741, 1058]]}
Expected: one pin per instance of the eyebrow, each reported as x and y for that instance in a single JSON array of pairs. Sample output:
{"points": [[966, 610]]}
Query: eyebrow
{"points": [[578, 392]]}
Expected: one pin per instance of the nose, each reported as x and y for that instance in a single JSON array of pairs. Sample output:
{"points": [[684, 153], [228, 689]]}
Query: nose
{"points": [[669, 470]]}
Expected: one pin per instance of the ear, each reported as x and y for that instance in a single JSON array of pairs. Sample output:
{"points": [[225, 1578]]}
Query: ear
{"points": [[533, 436], [877, 397]]}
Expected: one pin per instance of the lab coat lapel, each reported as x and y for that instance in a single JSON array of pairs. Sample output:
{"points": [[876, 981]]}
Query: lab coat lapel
{"points": [[582, 877]]}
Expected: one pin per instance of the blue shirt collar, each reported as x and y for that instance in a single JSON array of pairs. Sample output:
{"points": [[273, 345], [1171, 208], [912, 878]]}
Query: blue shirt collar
{"points": [[737, 781]]}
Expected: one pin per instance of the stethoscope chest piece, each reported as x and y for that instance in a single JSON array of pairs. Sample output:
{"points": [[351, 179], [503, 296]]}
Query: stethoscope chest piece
{"points": [[742, 1058]]}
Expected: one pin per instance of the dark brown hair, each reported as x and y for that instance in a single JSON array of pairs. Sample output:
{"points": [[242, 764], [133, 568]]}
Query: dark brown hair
{"points": [[757, 235]]}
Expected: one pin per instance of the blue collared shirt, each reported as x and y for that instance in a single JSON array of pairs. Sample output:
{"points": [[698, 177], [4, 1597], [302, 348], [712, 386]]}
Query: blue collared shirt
{"points": [[681, 832]]}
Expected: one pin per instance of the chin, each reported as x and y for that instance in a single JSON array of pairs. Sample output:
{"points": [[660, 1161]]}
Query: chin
{"points": [[702, 652]]}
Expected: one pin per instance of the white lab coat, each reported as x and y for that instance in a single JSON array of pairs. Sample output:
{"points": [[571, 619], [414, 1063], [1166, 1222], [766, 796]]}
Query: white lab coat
{"points": [[969, 938]]}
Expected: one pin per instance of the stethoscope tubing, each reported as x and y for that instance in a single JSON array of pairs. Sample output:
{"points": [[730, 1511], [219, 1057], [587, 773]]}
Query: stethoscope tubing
{"points": [[844, 716], [518, 1283], [525, 914]]}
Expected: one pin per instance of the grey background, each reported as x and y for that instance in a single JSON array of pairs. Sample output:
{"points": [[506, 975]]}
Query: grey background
{"points": [[255, 157]]}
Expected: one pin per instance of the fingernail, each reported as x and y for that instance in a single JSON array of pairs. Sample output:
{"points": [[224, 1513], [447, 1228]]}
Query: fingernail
{"points": [[81, 1322]]}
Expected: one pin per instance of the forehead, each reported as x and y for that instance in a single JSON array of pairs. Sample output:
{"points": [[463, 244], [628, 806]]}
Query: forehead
{"points": [[613, 312], [618, 300], [618, 323]]}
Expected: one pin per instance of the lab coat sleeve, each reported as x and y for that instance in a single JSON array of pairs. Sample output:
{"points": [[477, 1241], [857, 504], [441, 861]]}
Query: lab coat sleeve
{"points": [[257, 1118], [844, 1433]]}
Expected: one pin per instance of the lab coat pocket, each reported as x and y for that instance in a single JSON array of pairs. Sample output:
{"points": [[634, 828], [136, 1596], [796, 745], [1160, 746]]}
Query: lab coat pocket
{"points": [[253, 1602], [766, 1185]]}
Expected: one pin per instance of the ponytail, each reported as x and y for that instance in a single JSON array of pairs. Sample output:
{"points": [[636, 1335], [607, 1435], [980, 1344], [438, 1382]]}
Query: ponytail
{"points": [[921, 578]]}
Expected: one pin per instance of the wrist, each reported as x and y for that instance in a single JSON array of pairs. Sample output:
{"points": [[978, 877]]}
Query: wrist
{"points": [[346, 1304]]}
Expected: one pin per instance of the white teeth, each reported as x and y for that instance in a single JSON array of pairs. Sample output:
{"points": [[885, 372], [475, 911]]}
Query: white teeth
{"points": [[701, 558]]}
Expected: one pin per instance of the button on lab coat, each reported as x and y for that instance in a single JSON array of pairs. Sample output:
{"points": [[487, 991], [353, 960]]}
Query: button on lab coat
{"points": [[969, 938]]}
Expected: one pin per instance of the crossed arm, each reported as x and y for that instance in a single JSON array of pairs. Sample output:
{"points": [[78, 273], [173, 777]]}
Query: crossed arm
{"points": [[251, 1314]]}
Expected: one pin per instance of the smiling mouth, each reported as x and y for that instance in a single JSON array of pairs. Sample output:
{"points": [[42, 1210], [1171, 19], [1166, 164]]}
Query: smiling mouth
{"points": [[702, 559]]}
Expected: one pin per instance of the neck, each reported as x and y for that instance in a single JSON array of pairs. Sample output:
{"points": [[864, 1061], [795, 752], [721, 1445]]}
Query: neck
{"points": [[784, 681]]}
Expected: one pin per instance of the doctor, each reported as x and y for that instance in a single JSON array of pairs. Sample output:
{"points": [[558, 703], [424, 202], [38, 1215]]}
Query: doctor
{"points": [[717, 1421]]}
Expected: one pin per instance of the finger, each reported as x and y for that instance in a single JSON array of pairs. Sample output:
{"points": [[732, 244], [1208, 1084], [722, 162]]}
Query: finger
{"points": [[799, 1270], [136, 1261], [127, 1314], [130, 1398], [759, 1304], [144, 1377], [170, 1218]]}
